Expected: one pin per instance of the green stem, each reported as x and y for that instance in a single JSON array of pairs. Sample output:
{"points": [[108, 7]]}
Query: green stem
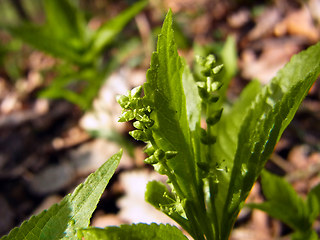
{"points": [[212, 209]]}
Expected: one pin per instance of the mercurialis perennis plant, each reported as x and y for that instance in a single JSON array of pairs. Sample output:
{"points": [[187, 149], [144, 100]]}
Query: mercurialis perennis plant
{"points": [[211, 165]]}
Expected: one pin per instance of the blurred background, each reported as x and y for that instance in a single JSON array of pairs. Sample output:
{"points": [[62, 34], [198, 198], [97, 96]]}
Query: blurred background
{"points": [[62, 62]]}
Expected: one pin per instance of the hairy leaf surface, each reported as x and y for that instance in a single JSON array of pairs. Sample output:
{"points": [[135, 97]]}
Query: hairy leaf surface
{"points": [[62, 220], [134, 232]]}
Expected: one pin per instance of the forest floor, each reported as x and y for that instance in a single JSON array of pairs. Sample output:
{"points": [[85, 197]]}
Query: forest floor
{"points": [[48, 147]]}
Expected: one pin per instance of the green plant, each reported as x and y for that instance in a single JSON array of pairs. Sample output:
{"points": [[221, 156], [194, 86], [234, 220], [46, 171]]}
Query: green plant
{"points": [[66, 36], [210, 169], [63, 220], [286, 205]]}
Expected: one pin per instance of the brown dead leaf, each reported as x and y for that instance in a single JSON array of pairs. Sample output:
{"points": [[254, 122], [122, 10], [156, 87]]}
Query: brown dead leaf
{"points": [[298, 23], [275, 54]]}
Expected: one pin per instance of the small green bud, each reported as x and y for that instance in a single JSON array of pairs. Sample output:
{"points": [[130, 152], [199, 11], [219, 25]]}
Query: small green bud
{"points": [[201, 84], [203, 93], [149, 124], [140, 115], [203, 166], [217, 69], [149, 149], [139, 125], [213, 98], [206, 72], [200, 60], [151, 160], [139, 135], [171, 154], [123, 101], [159, 154], [126, 116], [215, 86], [210, 61], [207, 139], [160, 169], [215, 117], [136, 92]]}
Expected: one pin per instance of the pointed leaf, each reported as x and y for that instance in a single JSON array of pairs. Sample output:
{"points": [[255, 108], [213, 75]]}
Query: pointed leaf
{"points": [[165, 90], [107, 32], [263, 125], [283, 202], [225, 148], [43, 39], [62, 220], [313, 201], [193, 100], [64, 19], [229, 59], [308, 235], [134, 232], [159, 196]]}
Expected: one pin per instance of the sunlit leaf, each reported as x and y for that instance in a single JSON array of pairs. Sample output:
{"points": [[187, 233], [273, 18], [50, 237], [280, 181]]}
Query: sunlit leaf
{"points": [[134, 232], [62, 220]]}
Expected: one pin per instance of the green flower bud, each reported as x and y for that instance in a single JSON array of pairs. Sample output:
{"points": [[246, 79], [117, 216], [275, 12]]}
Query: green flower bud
{"points": [[215, 86], [215, 117], [139, 125], [123, 101], [171, 154], [203, 166], [203, 93], [210, 61], [139, 135], [160, 169], [159, 154], [151, 160], [149, 149], [140, 115], [217, 69], [126, 116], [136, 92], [207, 139], [213, 98]]}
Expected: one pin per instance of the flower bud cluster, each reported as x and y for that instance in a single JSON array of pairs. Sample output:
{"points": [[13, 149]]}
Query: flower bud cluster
{"points": [[139, 109], [208, 89]]}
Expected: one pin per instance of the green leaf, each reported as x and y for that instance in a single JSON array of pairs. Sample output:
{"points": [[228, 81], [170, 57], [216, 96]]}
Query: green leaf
{"points": [[229, 59], [193, 100], [62, 220], [165, 90], [64, 20], [159, 196], [43, 39], [263, 125], [77, 87], [227, 131], [283, 202], [107, 32], [313, 201], [134, 232], [308, 235]]}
